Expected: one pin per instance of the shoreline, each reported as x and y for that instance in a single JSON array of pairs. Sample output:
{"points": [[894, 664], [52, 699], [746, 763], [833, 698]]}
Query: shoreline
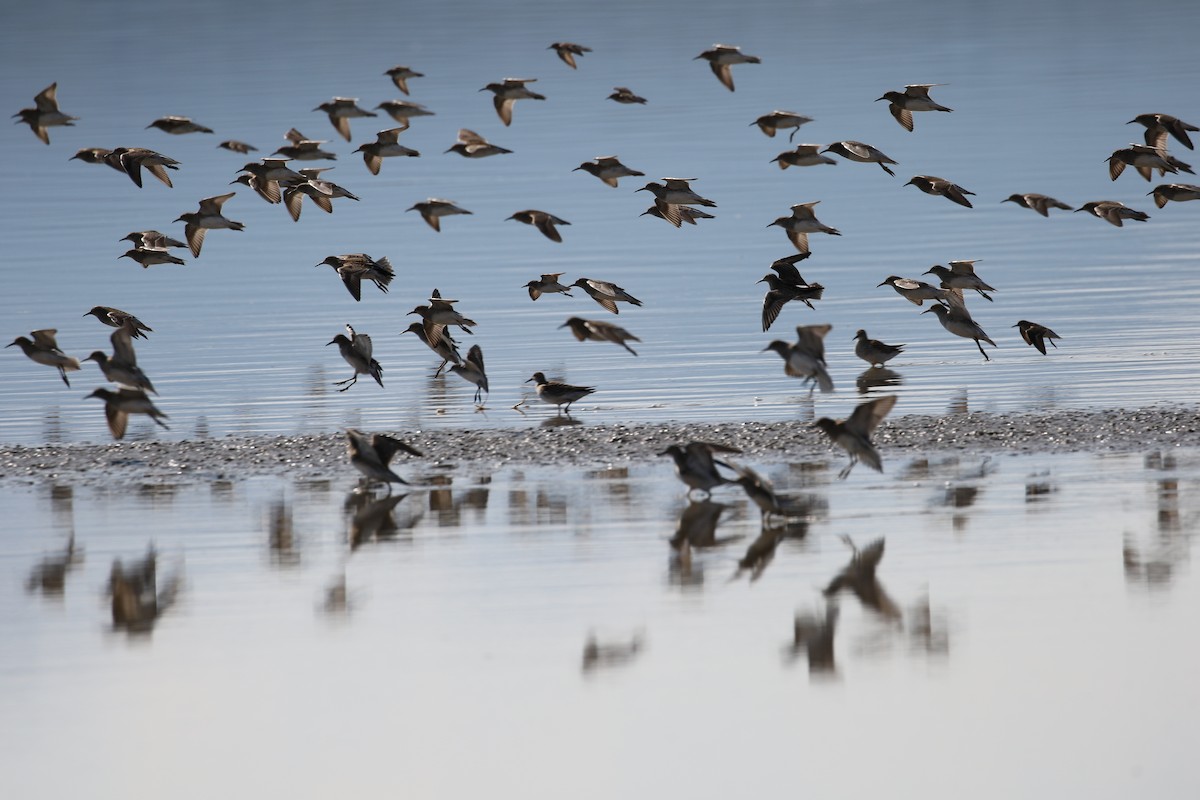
{"points": [[324, 455]]}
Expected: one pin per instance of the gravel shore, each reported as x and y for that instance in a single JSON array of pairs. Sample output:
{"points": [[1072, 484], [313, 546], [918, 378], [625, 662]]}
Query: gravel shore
{"points": [[588, 445]]}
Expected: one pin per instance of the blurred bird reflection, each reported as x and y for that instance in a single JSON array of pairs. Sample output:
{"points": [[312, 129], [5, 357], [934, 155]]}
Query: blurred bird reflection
{"points": [[137, 600], [859, 577], [376, 519], [49, 576], [812, 635], [600, 655]]}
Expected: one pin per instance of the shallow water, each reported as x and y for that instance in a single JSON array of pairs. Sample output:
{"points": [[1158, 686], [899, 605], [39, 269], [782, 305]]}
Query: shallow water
{"points": [[1041, 94], [1035, 634]]}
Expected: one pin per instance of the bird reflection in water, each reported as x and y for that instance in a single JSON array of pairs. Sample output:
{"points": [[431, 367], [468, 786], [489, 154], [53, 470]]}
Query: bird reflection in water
{"points": [[49, 576], [958, 403], [859, 577], [812, 636], [335, 600], [375, 519], [1038, 487], [602, 655], [697, 525], [559, 422], [281, 537], [926, 630], [877, 378], [137, 599], [759, 555]]}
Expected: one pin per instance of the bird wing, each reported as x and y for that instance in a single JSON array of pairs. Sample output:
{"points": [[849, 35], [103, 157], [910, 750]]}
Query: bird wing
{"points": [[362, 345], [122, 343], [799, 240], [902, 115], [195, 238], [504, 109], [475, 356], [723, 73], [867, 416], [386, 446]]}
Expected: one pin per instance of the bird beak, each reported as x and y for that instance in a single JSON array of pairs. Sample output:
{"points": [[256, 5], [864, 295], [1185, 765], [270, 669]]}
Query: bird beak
{"points": [[909, 183], [529, 381], [565, 324], [577, 169], [885, 283], [880, 98], [641, 189], [931, 308], [330, 342]]}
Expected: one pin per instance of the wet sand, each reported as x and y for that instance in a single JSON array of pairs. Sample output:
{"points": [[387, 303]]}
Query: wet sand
{"points": [[322, 455]]}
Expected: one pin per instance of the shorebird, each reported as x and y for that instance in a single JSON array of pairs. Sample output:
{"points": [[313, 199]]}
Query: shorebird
{"points": [[356, 350], [131, 160], [178, 125], [151, 240], [781, 291], [301, 148], [568, 50], [508, 92], [472, 145], [265, 176], [1113, 212], [372, 455], [806, 358], [957, 320], [1158, 126], [340, 111], [801, 223], [400, 76], [471, 370], [234, 146], [97, 155], [43, 349], [434, 208], [354, 268], [116, 318], [1036, 335], [862, 153], [315, 188], [915, 97], [853, 434], [930, 184], [675, 214], [873, 351], [777, 120], [597, 331], [402, 111], [804, 155], [122, 367], [915, 292], [543, 221], [386, 145], [1037, 202], [557, 393], [608, 169], [1179, 192], [440, 314], [961, 275], [606, 294], [45, 113], [151, 256], [696, 465], [547, 284], [721, 57], [623, 94], [120, 404], [1144, 159], [444, 346], [208, 218], [676, 191]]}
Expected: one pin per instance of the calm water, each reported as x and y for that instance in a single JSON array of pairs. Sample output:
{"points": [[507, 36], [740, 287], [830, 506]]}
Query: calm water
{"points": [[1038, 637], [1041, 93]]}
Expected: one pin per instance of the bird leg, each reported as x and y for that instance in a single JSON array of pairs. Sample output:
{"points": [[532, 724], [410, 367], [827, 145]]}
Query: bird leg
{"points": [[985, 355], [349, 381], [846, 470]]}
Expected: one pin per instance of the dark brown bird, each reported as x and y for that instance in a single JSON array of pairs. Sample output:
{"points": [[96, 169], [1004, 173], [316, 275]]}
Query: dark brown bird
{"points": [[568, 50], [543, 221], [1037, 202], [853, 434], [1036, 335], [930, 184]]}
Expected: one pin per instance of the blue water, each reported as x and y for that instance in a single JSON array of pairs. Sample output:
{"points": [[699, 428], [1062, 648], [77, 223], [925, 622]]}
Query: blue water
{"points": [[1041, 94]]}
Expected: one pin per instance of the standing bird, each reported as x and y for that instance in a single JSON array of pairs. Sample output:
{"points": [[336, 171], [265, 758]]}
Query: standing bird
{"points": [[1037, 202], [957, 320], [340, 111], [547, 284], [120, 404], [472, 145], [1113, 212], [606, 294], [353, 268], [356, 350], [873, 351], [178, 125], [608, 169], [961, 275], [804, 155], [43, 349], [806, 358], [116, 318], [777, 120], [471, 370], [568, 50], [45, 113], [721, 57], [915, 97], [386, 145], [372, 455], [544, 221], [557, 393], [1158, 126], [598, 331], [207, 218], [862, 153], [400, 76], [931, 184], [1179, 192], [434, 208], [1036, 335], [696, 465], [508, 92], [853, 434], [624, 95], [801, 223], [914, 291]]}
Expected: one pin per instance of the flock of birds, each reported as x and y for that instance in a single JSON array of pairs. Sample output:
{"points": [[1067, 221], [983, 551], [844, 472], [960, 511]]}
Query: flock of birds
{"points": [[275, 181]]}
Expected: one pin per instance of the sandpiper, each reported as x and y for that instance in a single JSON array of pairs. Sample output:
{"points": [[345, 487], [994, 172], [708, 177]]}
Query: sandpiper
{"points": [[781, 291], [178, 125], [471, 370], [1037, 202], [721, 57], [444, 346], [873, 351], [853, 434], [862, 153], [543, 221], [151, 256], [607, 169], [777, 120], [915, 97], [914, 291], [472, 145], [508, 92], [356, 350], [439, 314], [400, 76], [568, 50], [386, 145], [1113, 212], [804, 155], [961, 275], [340, 111], [806, 358], [122, 367], [434, 208], [1158, 126], [623, 94], [801, 223], [322, 192], [354, 268], [151, 240], [677, 191], [1036, 335], [267, 174], [957, 320], [402, 111], [132, 159], [120, 404], [696, 464], [931, 184], [209, 217], [301, 148], [97, 155], [605, 293], [598, 331], [676, 214], [1144, 159], [372, 455], [1179, 192], [234, 146], [116, 318], [547, 284], [558, 393], [45, 113], [43, 349]]}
